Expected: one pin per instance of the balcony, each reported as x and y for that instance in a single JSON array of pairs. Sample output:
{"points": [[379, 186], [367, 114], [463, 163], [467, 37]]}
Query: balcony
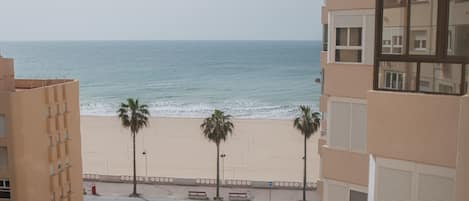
{"points": [[414, 127], [422, 47]]}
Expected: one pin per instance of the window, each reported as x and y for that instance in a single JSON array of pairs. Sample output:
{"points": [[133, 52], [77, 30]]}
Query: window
{"points": [[65, 107], [394, 26], [450, 41], [393, 43], [400, 181], [347, 126], [397, 76], [420, 40], [325, 37], [423, 23], [409, 181], [348, 45], [66, 136], [338, 191], [322, 80], [394, 80], [5, 189], [2, 126], [467, 78], [433, 77], [459, 24], [441, 78], [3, 158], [358, 196], [51, 170]]}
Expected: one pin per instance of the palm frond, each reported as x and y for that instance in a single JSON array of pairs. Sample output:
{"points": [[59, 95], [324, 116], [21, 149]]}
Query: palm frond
{"points": [[133, 116], [307, 122], [217, 127]]}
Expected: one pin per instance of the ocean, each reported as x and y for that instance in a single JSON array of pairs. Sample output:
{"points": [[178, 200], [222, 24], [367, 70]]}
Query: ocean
{"points": [[247, 79]]}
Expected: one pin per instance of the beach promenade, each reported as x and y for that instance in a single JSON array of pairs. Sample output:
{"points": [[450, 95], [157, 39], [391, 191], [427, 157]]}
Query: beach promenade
{"points": [[120, 192], [259, 150]]}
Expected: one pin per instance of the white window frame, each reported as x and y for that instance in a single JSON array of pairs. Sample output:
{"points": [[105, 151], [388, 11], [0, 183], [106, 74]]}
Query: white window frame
{"points": [[399, 86], [349, 187], [367, 26], [451, 39], [416, 169], [419, 38], [348, 46], [329, 123], [394, 32]]}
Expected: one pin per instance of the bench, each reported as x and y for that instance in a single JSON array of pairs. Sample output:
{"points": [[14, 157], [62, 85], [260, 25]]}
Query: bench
{"points": [[197, 195], [238, 197]]}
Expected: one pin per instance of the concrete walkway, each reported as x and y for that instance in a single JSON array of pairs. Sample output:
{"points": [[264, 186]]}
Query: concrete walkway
{"points": [[120, 191]]}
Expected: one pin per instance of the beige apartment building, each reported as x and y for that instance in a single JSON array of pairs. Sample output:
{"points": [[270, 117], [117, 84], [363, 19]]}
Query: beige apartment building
{"points": [[40, 153], [394, 100]]}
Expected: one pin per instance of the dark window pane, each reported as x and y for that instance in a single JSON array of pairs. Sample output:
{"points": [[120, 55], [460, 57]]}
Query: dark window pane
{"points": [[423, 24], [325, 37], [467, 78], [5, 194], [397, 76], [322, 80], [341, 36], [354, 56], [358, 196], [394, 26], [3, 158], [441, 78], [459, 28], [355, 36]]}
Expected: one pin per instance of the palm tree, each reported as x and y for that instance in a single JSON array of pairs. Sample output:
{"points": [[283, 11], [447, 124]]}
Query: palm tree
{"points": [[133, 116], [307, 123], [216, 129]]}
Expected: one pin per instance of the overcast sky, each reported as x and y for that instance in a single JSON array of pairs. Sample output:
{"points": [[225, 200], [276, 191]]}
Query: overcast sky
{"points": [[160, 20]]}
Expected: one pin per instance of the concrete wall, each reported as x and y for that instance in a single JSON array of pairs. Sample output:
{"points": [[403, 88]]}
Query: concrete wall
{"points": [[5, 111], [462, 163], [351, 81], [349, 4], [344, 166], [31, 150], [29, 147], [414, 127], [6, 75]]}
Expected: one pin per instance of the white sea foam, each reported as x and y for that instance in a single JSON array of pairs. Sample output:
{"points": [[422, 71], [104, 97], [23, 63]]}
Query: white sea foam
{"points": [[238, 108]]}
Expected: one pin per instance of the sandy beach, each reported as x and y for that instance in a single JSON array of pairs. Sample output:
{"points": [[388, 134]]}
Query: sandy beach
{"points": [[264, 150]]}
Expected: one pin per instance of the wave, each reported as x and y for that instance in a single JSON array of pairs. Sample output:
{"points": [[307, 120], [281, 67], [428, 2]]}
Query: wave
{"points": [[238, 109]]}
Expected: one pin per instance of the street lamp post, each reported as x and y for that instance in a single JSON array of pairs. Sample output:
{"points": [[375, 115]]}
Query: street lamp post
{"points": [[144, 153], [223, 165]]}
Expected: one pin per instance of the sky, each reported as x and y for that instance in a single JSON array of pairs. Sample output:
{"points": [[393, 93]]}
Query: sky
{"points": [[160, 20]]}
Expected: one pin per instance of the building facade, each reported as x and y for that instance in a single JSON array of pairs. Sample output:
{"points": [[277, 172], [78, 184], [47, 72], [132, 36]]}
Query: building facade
{"points": [[40, 153], [394, 101]]}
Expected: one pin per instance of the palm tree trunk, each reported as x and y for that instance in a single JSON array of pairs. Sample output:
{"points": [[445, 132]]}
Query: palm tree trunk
{"points": [[218, 171], [304, 174], [135, 168]]}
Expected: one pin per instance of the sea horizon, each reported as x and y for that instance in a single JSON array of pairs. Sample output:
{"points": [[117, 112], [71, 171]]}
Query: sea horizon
{"points": [[249, 79]]}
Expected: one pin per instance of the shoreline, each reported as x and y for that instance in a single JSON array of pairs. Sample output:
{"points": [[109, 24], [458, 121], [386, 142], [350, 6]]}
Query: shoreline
{"points": [[170, 117]]}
